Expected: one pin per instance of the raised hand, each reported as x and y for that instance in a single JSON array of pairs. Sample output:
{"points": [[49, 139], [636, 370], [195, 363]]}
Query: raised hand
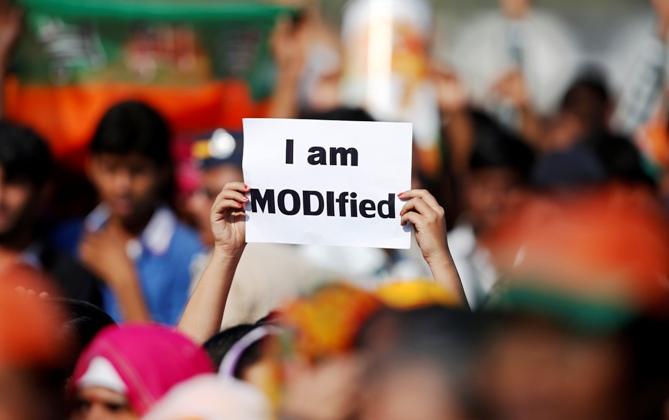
{"points": [[228, 219]]}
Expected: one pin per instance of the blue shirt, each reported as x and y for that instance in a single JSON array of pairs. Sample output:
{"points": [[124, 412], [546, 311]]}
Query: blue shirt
{"points": [[163, 255]]}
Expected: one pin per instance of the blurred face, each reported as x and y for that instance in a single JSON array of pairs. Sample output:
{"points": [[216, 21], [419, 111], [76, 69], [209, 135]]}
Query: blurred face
{"points": [[538, 373], [515, 9], [102, 404], [414, 391], [661, 8], [128, 185], [16, 200], [489, 194], [199, 204]]}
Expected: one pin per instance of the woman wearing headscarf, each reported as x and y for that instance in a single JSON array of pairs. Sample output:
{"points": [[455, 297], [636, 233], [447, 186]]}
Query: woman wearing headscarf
{"points": [[127, 369]]}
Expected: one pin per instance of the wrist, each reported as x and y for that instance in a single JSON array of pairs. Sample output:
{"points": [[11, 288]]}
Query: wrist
{"points": [[226, 252], [121, 278], [441, 256]]}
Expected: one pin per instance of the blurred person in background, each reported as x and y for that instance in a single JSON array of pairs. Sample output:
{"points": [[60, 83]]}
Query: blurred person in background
{"points": [[516, 63], [127, 369], [308, 56], [572, 292], [495, 182], [582, 148], [585, 110], [255, 291], [25, 170], [640, 62], [133, 241], [421, 364]]}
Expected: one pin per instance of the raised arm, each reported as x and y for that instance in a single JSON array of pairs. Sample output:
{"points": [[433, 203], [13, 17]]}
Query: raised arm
{"points": [[427, 216], [203, 314]]}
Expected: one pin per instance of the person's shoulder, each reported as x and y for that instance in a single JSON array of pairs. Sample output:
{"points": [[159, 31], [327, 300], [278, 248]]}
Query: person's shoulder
{"points": [[66, 235], [186, 239]]}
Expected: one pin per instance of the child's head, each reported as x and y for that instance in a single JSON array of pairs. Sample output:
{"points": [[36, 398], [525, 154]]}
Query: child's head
{"points": [[130, 160]]}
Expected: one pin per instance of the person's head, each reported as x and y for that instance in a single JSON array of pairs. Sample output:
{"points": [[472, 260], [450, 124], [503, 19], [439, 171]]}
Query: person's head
{"points": [[130, 162], [589, 99], [410, 374], [499, 168], [126, 369], [535, 368], [249, 353], [83, 321], [25, 164], [586, 109], [219, 160]]}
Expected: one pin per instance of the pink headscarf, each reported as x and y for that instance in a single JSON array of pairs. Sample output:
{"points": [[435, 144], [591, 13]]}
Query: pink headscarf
{"points": [[150, 359]]}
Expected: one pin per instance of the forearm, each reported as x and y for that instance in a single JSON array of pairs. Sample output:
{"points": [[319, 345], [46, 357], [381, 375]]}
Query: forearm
{"points": [[459, 134], [204, 311], [446, 274], [284, 102]]}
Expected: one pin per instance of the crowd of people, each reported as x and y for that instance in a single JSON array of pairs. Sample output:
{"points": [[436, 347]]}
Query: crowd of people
{"points": [[536, 287]]}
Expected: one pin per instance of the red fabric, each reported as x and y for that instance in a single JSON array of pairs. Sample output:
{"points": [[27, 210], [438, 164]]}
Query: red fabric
{"points": [[150, 359]]}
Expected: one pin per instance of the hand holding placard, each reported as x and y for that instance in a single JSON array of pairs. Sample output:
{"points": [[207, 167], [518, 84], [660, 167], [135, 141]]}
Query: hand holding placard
{"points": [[228, 219]]}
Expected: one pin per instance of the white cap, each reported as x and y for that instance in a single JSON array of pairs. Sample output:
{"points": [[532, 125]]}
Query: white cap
{"points": [[102, 374]]}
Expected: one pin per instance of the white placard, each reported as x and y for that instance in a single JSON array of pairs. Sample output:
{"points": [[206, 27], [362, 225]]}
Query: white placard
{"points": [[327, 182]]}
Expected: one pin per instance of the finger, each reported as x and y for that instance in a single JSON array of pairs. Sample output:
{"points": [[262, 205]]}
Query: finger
{"points": [[230, 205], [426, 196], [239, 187], [418, 205], [236, 186], [413, 218], [234, 195]]}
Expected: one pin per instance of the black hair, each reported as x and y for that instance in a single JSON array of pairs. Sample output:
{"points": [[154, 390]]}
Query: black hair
{"points": [[496, 146], [589, 99], [133, 127], [219, 345], [24, 155], [82, 323]]}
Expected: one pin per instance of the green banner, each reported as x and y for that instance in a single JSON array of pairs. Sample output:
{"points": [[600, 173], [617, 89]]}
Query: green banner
{"points": [[148, 42]]}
